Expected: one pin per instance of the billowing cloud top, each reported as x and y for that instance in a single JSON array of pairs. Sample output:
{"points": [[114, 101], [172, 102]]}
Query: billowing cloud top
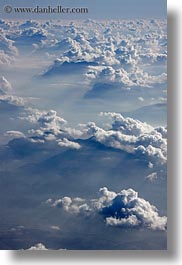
{"points": [[38, 246], [122, 209], [110, 51], [132, 136]]}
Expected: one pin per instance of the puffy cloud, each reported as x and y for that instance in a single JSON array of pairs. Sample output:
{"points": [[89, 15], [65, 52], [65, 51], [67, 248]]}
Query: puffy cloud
{"points": [[29, 24], [38, 246], [52, 128], [162, 131], [30, 35], [71, 205], [153, 58], [130, 221], [120, 78], [49, 129], [156, 155], [32, 115], [7, 45], [5, 94], [67, 44], [65, 65], [132, 136], [109, 74], [127, 126], [109, 138], [50, 122], [14, 134], [111, 55], [122, 209], [12, 100], [127, 134], [123, 45], [68, 144], [143, 79], [5, 86], [72, 132]]}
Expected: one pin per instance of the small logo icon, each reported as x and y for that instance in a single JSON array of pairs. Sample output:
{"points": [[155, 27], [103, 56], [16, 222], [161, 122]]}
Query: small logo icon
{"points": [[8, 9]]}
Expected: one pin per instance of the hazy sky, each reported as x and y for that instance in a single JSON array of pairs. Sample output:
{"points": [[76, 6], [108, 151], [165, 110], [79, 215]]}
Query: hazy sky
{"points": [[100, 9]]}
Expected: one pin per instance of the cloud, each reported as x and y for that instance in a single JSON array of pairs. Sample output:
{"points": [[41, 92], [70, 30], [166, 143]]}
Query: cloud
{"points": [[162, 131], [5, 86], [127, 134], [150, 165], [109, 74], [30, 35], [12, 100], [67, 44], [111, 56], [14, 134], [122, 209], [55, 227], [50, 123], [152, 177], [127, 126], [141, 99], [38, 246], [130, 135], [65, 66], [68, 144], [51, 127], [5, 59], [153, 154], [153, 58], [8, 51], [72, 205], [119, 79], [128, 222], [110, 138], [32, 115], [7, 46]]}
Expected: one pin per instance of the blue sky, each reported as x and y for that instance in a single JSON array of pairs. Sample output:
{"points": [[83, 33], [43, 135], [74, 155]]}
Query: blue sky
{"points": [[102, 9]]}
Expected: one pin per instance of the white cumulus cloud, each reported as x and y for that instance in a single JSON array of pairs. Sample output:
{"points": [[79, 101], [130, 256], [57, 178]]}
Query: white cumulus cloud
{"points": [[122, 209], [68, 144]]}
